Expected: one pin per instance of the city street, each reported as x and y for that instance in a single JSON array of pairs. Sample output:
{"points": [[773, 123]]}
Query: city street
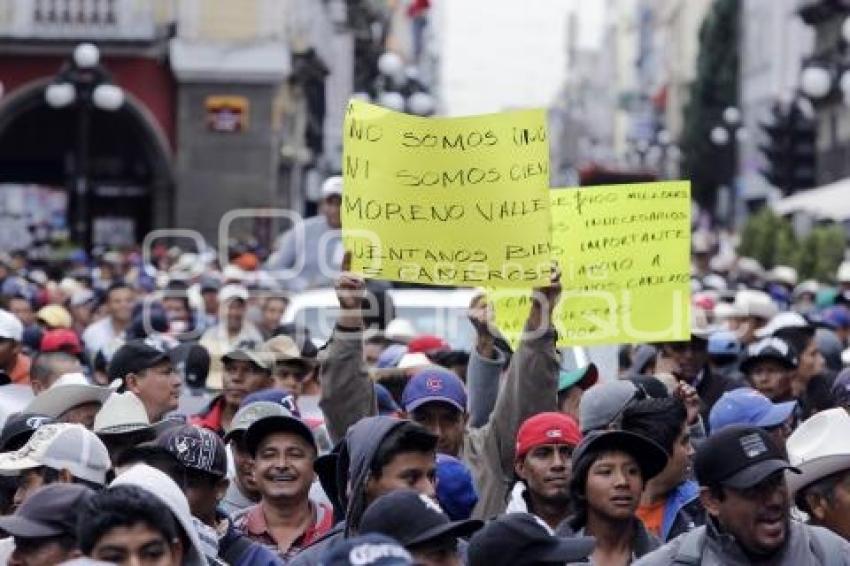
{"points": [[424, 282]]}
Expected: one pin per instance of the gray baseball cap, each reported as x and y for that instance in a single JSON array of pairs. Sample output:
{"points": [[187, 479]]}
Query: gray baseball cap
{"points": [[50, 511], [604, 402], [249, 414]]}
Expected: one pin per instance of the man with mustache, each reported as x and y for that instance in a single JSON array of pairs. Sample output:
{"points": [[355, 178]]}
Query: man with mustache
{"points": [[544, 450], [285, 520], [741, 473], [245, 371]]}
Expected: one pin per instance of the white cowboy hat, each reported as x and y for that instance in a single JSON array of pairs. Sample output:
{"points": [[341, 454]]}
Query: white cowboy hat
{"points": [[819, 447], [69, 391], [121, 413], [750, 302]]}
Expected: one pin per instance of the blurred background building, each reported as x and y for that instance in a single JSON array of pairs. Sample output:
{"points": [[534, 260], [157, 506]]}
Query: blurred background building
{"points": [[224, 104], [189, 109]]}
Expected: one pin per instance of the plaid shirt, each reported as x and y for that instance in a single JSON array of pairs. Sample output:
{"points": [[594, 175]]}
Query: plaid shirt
{"points": [[253, 523]]}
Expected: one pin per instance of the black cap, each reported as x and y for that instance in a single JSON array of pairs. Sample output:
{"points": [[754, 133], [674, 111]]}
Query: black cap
{"points": [[50, 511], [650, 456], [18, 429], [192, 362], [196, 448], [366, 550], [739, 456], [772, 348], [412, 519], [279, 423], [520, 539], [135, 356]]}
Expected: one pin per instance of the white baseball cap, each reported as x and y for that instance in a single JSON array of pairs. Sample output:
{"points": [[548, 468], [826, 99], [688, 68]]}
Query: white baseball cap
{"points": [[843, 274], [67, 392], [414, 360], [332, 187], [783, 274], [61, 446], [400, 330], [10, 327], [229, 292], [783, 320]]}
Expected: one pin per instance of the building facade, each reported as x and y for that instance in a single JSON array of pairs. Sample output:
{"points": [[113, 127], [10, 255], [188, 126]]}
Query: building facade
{"points": [[774, 43], [825, 19], [229, 104]]}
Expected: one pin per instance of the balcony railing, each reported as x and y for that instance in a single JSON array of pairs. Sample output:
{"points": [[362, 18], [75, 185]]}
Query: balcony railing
{"points": [[117, 20]]}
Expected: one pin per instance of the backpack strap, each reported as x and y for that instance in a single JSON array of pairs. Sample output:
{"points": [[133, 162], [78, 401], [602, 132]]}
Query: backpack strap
{"points": [[235, 549], [690, 549]]}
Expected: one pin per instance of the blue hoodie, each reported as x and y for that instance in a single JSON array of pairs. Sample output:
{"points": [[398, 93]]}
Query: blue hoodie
{"points": [[683, 511]]}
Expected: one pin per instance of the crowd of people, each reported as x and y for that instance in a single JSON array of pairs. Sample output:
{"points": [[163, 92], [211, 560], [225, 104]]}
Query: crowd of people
{"points": [[170, 418]]}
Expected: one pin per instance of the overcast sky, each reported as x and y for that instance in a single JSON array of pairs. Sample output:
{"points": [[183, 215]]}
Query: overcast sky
{"points": [[499, 54]]}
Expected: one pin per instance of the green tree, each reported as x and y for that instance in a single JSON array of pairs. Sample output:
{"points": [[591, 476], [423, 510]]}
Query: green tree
{"points": [[786, 249], [714, 89], [771, 240], [826, 245], [757, 237]]}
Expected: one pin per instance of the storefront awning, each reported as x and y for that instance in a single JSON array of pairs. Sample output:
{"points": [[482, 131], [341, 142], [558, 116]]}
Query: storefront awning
{"points": [[829, 202]]}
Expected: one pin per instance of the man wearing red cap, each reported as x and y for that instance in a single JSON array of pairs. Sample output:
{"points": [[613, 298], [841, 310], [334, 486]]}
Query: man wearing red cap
{"points": [[61, 340], [544, 448]]}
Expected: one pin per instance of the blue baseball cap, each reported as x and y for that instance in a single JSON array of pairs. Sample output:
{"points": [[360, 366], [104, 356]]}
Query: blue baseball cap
{"points": [[840, 389], [746, 406], [836, 317], [434, 384], [273, 395], [724, 343], [391, 356], [367, 550], [455, 488], [386, 403]]}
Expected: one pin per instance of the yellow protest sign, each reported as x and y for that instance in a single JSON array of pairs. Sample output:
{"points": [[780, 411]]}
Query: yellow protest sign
{"points": [[624, 253], [447, 201]]}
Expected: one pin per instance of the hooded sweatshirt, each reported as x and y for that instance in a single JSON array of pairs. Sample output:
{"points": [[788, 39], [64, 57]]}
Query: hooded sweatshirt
{"points": [[169, 494], [355, 458]]}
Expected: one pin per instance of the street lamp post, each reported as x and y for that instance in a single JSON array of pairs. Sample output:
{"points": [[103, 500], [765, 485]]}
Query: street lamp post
{"points": [[657, 153], [824, 75], [726, 136], [399, 88], [84, 84]]}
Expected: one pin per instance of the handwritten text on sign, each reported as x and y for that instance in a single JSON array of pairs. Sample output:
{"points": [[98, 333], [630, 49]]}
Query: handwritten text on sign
{"points": [[447, 201], [624, 252]]}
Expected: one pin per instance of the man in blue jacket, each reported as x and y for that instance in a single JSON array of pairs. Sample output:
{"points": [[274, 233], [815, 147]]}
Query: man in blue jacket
{"points": [[670, 502]]}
